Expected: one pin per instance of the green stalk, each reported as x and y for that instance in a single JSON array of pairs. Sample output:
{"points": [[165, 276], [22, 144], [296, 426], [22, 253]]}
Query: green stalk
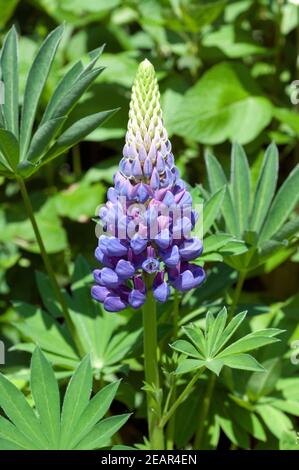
{"points": [[171, 425], [180, 398], [204, 411], [150, 345], [48, 266]]}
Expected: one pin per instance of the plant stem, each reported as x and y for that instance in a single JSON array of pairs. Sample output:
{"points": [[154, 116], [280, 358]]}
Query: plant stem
{"points": [[48, 265], [171, 425], [180, 398], [150, 345], [238, 290], [204, 411]]}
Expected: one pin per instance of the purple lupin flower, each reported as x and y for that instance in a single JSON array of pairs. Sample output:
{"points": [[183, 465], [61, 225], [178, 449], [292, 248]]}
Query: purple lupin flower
{"points": [[148, 218]]}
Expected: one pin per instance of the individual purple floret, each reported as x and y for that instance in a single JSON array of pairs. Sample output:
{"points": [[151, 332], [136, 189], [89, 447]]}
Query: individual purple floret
{"points": [[146, 241]]}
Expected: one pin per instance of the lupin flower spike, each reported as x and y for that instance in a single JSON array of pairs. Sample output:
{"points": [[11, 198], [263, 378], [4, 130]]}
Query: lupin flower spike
{"points": [[148, 218]]}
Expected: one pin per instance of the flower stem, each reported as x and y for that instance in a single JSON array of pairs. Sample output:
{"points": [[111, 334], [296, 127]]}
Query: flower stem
{"points": [[171, 425], [204, 411], [150, 344], [180, 398], [48, 266]]}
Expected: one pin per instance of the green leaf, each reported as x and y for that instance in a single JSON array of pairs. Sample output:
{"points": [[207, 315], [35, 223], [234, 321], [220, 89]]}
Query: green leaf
{"points": [[45, 392], [276, 421], [186, 348], [242, 361], [233, 431], [195, 335], [217, 180], [218, 329], [261, 384], [225, 96], [75, 400], [240, 181], [229, 331], [282, 206], [265, 187], [100, 435], [9, 147], [61, 90], [12, 434], [19, 412], [247, 343], [68, 101], [211, 209], [47, 294], [95, 410], [77, 132], [187, 365], [9, 445], [43, 330], [248, 420], [288, 441], [10, 77], [36, 80], [43, 137], [76, 72]]}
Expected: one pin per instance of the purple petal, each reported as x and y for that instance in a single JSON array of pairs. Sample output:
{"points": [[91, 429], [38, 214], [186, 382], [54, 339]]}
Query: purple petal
{"points": [[191, 249], [161, 293], [115, 247], [136, 298], [124, 269], [114, 303], [136, 168], [109, 278], [138, 244], [147, 167], [155, 180], [99, 293], [163, 239], [171, 257]]}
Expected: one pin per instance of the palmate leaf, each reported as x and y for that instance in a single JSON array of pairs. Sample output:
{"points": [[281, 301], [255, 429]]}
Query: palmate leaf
{"points": [[263, 226], [80, 419], [207, 349], [23, 150], [108, 339]]}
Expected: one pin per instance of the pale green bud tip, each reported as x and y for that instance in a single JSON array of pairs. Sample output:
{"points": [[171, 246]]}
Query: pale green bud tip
{"points": [[145, 113], [145, 69]]}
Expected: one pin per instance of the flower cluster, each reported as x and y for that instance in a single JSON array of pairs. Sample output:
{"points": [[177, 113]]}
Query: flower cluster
{"points": [[147, 221]]}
